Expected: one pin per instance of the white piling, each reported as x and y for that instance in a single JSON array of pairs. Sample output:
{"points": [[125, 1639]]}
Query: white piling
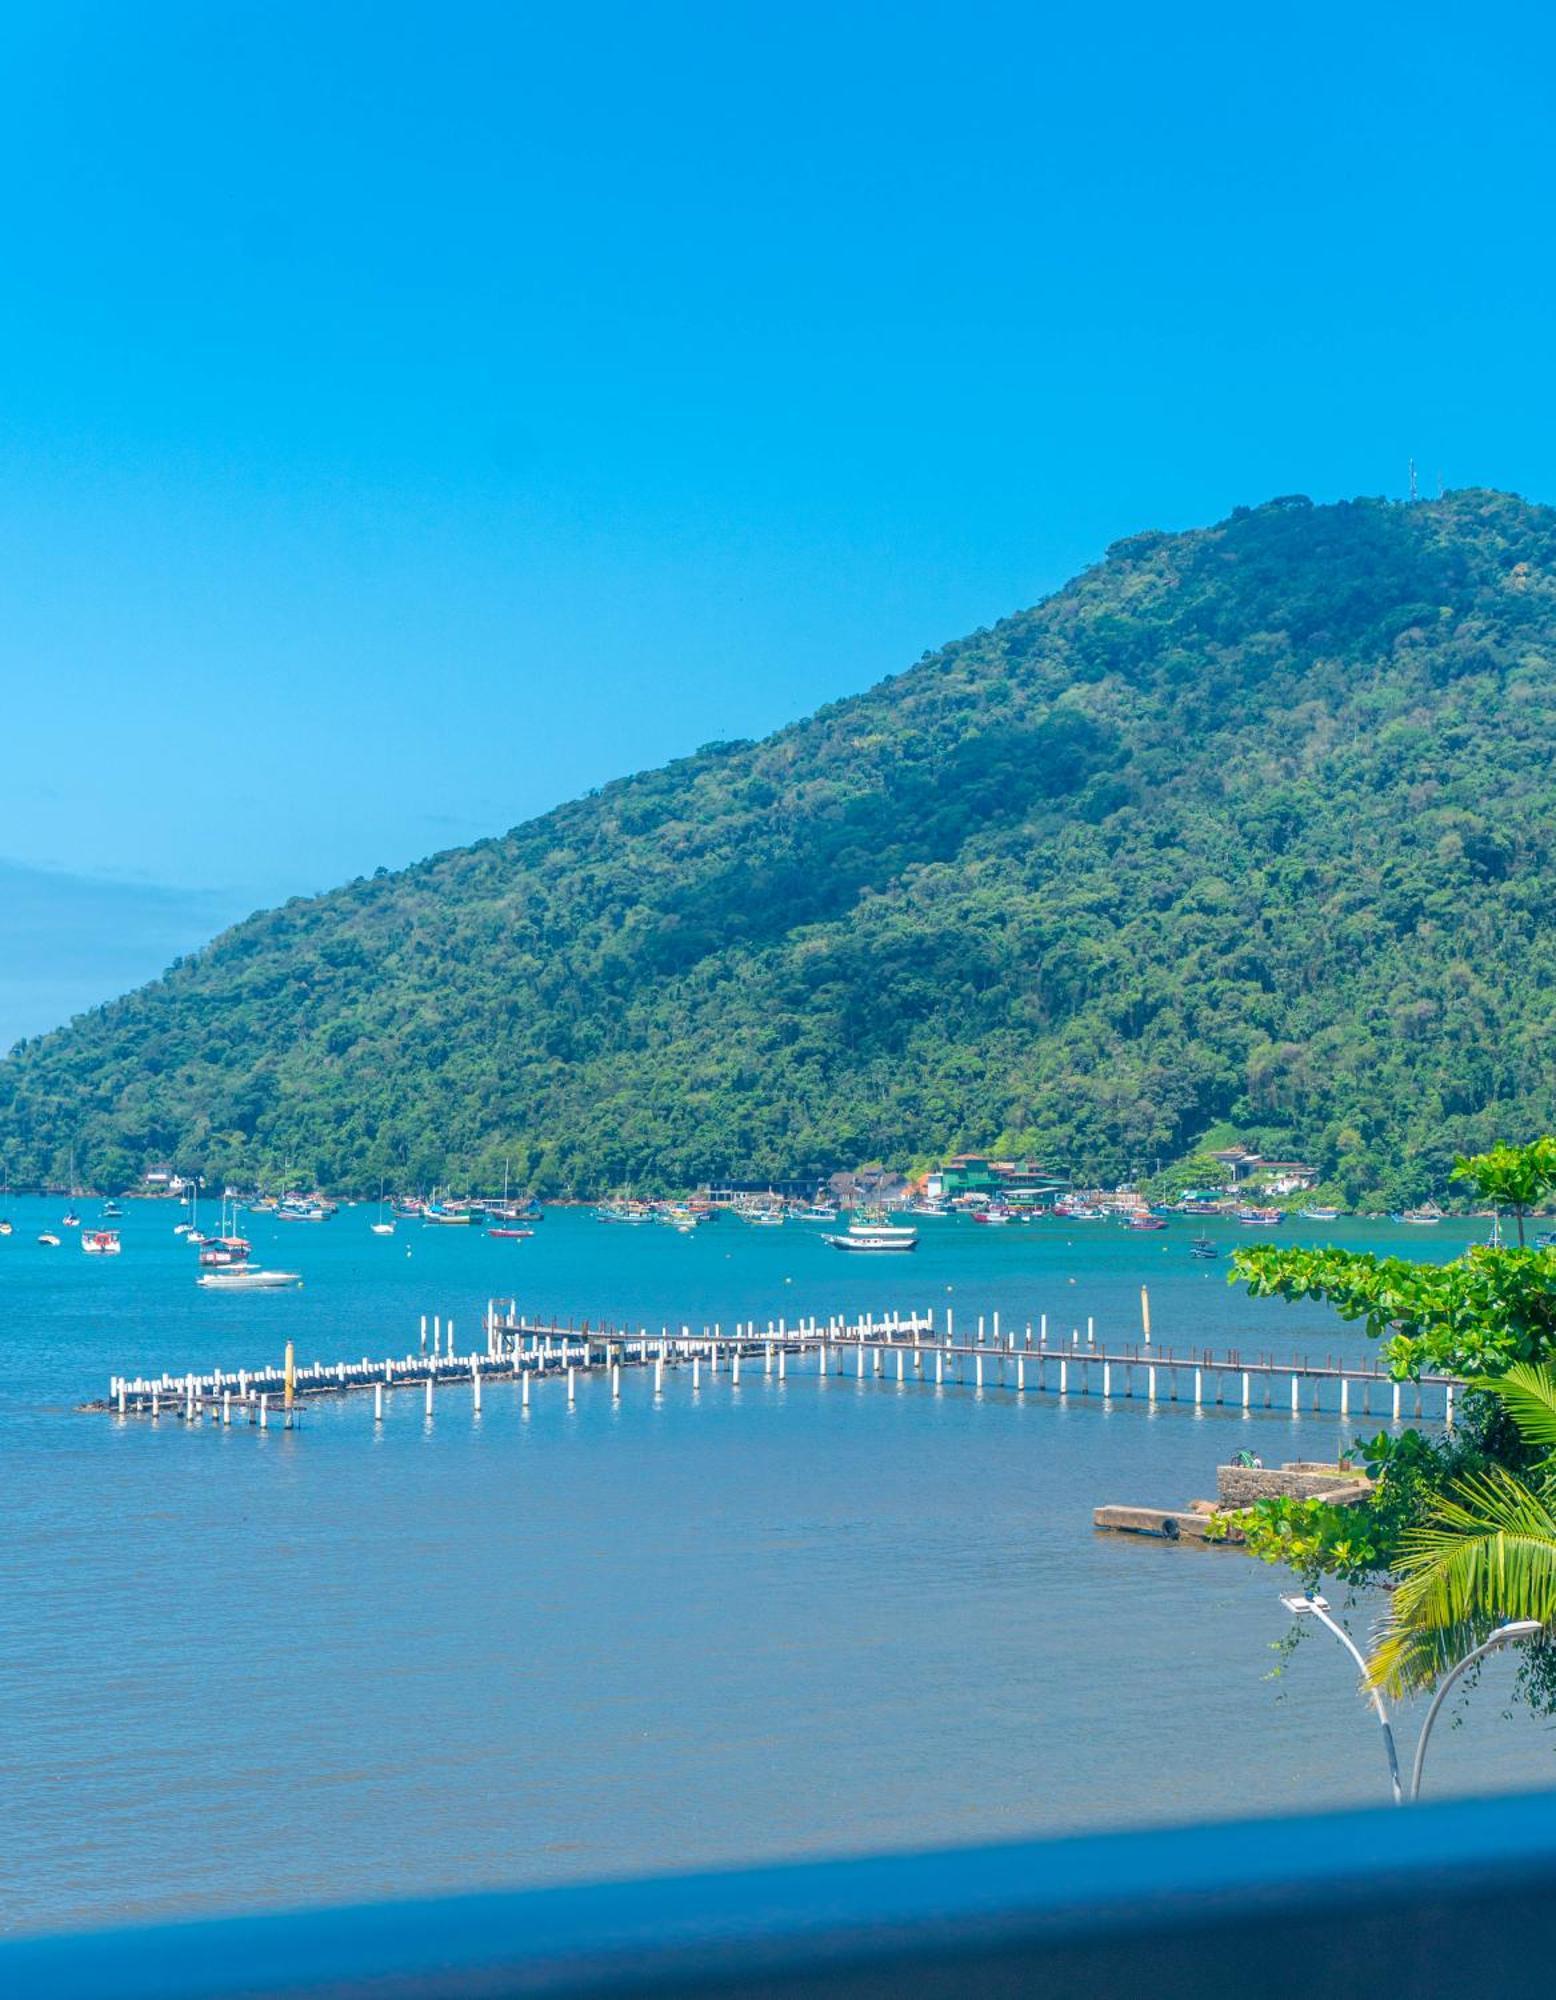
{"points": [[980, 1371], [1396, 1402], [264, 1409], [1199, 1383], [524, 1391], [1150, 1383], [1042, 1330], [1064, 1377], [475, 1389], [1245, 1389], [615, 1381], [1296, 1392], [1345, 1396], [1448, 1406], [939, 1364], [659, 1375], [696, 1371], [429, 1395], [571, 1392], [783, 1356], [378, 1402], [1107, 1378], [226, 1406]]}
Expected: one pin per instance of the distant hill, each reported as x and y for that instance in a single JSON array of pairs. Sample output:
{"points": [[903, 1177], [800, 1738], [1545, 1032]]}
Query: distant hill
{"points": [[1250, 826]]}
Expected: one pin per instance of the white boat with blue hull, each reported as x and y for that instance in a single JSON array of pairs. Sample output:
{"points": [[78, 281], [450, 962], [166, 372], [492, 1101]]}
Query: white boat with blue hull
{"points": [[875, 1236]]}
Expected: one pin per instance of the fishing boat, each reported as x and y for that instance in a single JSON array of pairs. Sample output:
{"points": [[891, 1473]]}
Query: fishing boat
{"points": [[1203, 1247], [510, 1232], [448, 1215], [1144, 1219], [1258, 1218], [52, 1242], [100, 1242], [993, 1218], [1423, 1218], [219, 1253], [248, 1278], [866, 1234], [1320, 1214], [815, 1211]]}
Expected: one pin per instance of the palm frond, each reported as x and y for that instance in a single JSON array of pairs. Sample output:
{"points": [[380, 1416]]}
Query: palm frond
{"points": [[1486, 1553], [1527, 1391]]}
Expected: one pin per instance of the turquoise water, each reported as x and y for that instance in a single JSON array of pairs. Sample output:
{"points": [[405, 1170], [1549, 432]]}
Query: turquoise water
{"points": [[242, 1668]]}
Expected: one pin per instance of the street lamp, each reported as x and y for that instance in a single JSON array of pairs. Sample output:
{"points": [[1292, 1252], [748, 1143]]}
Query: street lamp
{"points": [[1318, 1607], [1504, 1635]]}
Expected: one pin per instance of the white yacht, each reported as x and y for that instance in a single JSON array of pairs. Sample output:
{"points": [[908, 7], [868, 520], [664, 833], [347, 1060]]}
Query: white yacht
{"points": [[864, 1234]]}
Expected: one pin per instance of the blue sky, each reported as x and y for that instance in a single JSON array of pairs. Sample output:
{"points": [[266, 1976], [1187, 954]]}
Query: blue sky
{"points": [[416, 414]]}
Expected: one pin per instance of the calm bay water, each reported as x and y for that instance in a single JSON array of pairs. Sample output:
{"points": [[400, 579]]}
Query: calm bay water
{"points": [[242, 1668]]}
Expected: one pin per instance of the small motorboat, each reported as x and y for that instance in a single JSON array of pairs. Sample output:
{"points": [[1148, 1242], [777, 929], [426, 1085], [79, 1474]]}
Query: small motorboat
{"points": [[100, 1242], [863, 1235], [70, 1221], [1203, 1247], [248, 1278], [1320, 1214], [112, 1211], [5, 1226], [51, 1242]]}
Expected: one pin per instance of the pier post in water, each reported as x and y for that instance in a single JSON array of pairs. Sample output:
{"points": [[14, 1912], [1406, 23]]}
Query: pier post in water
{"points": [[264, 1409], [429, 1395], [378, 1402], [1296, 1393], [570, 1389]]}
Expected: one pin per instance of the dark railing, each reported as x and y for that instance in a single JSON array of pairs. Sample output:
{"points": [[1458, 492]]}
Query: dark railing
{"points": [[1456, 1899]]}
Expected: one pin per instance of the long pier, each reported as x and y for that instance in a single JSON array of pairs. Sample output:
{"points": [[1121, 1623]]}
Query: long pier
{"points": [[894, 1346]]}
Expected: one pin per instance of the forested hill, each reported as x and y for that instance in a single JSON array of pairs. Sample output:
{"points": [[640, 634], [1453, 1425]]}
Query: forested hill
{"points": [[1251, 825]]}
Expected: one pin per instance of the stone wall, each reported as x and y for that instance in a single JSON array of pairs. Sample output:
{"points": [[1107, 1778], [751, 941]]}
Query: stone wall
{"points": [[1241, 1485]]}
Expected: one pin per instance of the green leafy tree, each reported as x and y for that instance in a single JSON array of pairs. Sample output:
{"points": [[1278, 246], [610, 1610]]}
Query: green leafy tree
{"points": [[1515, 1177], [1476, 1315]]}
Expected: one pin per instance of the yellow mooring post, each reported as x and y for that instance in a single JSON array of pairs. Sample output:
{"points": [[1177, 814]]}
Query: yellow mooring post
{"points": [[291, 1382], [1145, 1313]]}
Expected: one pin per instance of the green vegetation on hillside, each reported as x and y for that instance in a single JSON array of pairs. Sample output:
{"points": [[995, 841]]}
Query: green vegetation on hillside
{"points": [[1247, 825]]}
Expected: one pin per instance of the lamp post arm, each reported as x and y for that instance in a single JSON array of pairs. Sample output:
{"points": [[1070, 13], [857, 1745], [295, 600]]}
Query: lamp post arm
{"points": [[1486, 1646], [1350, 1645]]}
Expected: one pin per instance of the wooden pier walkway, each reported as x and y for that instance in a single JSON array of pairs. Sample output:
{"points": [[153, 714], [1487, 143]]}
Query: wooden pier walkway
{"points": [[897, 1347]]}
